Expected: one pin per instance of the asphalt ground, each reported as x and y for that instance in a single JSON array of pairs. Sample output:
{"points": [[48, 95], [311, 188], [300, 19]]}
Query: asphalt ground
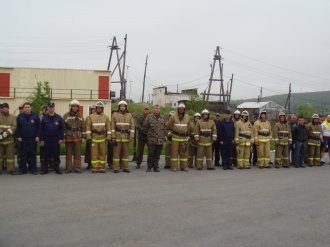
{"points": [[269, 207]]}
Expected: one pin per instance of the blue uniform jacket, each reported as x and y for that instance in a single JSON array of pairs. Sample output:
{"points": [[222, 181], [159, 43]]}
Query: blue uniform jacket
{"points": [[27, 125], [218, 126], [227, 131], [52, 126]]}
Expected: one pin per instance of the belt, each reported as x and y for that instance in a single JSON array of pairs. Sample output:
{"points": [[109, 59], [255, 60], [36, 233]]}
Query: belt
{"points": [[205, 134], [122, 131], [263, 134], [74, 129], [245, 136], [99, 132], [180, 134], [314, 138]]}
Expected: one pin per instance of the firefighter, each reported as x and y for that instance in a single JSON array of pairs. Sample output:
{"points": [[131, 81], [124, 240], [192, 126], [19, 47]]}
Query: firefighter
{"points": [[283, 139], [88, 150], [243, 134], [236, 118], [51, 136], [142, 136], [205, 135], [74, 132], [262, 135], [123, 129], [7, 131], [192, 151], [179, 128], [27, 133], [98, 132], [314, 141], [168, 145]]}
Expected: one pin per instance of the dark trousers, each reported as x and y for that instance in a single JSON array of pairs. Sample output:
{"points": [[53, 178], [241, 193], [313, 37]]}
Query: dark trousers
{"points": [[110, 154], [227, 154], [88, 152], [292, 149], [253, 155], [28, 154], [216, 150], [154, 152], [52, 150], [299, 153], [140, 151]]}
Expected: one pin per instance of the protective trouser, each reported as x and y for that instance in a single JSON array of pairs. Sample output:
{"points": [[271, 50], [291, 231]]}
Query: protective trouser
{"points": [[154, 152], [140, 151], [281, 155], [98, 155], [263, 152], [234, 155], [120, 155], [243, 150], [179, 152], [52, 153], [7, 155], [204, 149], [168, 154], [192, 155], [313, 155], [73, 149], [28, 154]]}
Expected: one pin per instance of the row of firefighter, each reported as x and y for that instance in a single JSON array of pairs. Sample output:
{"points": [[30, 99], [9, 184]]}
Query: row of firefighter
{"points": [[186, 141]]}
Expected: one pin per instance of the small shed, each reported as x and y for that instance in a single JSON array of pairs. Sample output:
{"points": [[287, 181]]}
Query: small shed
{"points": [[272, 108]]}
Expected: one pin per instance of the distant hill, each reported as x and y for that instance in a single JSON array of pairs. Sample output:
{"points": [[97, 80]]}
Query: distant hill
{"points": [[320, 100]]}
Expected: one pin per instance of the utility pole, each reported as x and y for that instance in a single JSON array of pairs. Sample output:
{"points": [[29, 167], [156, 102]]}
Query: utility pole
{"points": [[144, 78], [123, 80], [260, 95], [288, 100]]}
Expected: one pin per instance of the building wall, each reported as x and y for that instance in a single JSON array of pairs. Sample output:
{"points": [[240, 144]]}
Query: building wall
{"points": [[87, 86], [159, 97]]}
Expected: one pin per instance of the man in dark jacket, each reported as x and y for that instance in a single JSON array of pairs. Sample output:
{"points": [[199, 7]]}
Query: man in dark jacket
{"points": [[300, 138], [27, 134], [227, 135], [142, 136]]}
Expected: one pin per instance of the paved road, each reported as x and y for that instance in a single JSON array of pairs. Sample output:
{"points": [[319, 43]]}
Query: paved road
{"points": [[273, 207]]}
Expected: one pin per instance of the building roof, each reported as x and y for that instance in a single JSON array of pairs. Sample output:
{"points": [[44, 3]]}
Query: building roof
{"points": [[253, 105]]}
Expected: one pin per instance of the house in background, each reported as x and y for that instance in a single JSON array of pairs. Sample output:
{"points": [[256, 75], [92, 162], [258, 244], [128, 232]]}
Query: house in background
{"points": [[87, 86], [272, 108], [163, 98]]}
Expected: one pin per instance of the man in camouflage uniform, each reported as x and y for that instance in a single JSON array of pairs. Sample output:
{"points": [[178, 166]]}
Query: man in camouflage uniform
{"points": [[192, 152], [123, 129], [314, 141], [97, 133], [283, 139], [179, 127], [205, 133], [74, 132], [7, 131], [156, 133], [262, 135], [142, 136], [168, 145], [243, 134]]}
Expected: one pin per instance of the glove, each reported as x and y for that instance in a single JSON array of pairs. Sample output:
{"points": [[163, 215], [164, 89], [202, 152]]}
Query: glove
{"points": [[5, 134], [1, 137]]}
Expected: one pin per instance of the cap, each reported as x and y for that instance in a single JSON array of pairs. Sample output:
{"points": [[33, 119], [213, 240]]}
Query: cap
{"points": [[217, 114], [51, 104], [146, 107], [227, 111], [5, 105]]}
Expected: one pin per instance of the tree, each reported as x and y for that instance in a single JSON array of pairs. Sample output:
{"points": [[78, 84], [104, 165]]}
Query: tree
{"points": [[40, 96], [307, 110], [195, 104]]}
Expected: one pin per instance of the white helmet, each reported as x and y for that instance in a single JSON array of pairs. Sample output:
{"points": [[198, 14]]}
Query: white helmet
{"points": [[315, 116], [181, 105], [99, 104], [245, 113], [74, 102], [122, 102], [205, 111], [197, 115], [281, 114], [237, 112]]}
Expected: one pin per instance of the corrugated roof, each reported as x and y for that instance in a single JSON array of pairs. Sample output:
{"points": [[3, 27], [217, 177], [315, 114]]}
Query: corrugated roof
{"points": [[253, 105]]}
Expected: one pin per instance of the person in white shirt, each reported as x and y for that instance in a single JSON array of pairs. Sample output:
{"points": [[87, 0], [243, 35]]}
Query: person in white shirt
{"points": [[326, 138]]}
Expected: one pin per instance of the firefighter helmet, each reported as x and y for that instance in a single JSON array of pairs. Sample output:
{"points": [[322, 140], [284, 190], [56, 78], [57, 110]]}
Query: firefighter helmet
{"points": [[122, 102], [237, 112], [74, 102], [315, 116], [197, 114], [181, 105], [245, 113], [99, 104]]}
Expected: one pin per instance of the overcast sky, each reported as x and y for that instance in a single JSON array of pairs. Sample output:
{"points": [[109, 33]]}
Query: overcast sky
{"points": [[264, 43]]}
